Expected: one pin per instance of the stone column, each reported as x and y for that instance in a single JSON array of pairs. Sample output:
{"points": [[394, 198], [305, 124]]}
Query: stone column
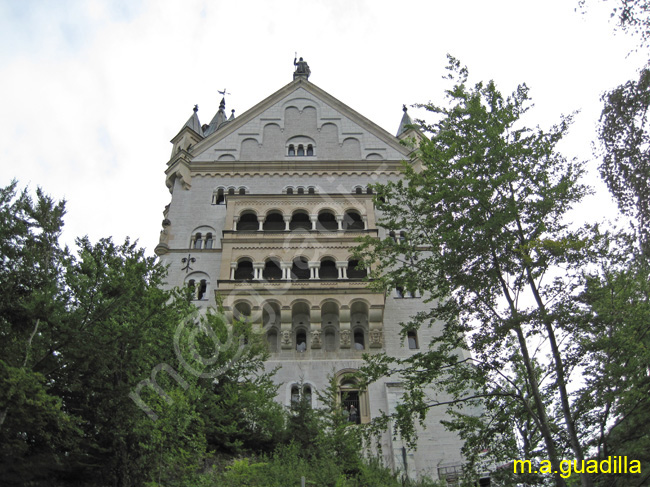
{"points": [[233, 268], [286, 270], [235, 219], [314, 268], [364, 218], [260, 221], [314, 221], [287, 220], [339, 220], [258, 267], [342, 267]]}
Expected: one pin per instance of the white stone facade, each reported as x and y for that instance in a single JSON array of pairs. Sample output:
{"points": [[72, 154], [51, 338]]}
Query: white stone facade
{"points": [[265, 211]]}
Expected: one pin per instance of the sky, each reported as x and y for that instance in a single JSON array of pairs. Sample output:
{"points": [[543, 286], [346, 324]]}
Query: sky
{"points": [[92, 91]]}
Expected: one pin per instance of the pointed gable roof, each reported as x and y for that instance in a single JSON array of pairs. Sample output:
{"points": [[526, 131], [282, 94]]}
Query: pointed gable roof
{"points": [[193, 122], [406, 122], [355, 121]]}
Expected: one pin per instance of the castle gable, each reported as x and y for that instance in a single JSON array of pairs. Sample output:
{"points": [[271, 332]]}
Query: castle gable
{"points": [[300, 122]]}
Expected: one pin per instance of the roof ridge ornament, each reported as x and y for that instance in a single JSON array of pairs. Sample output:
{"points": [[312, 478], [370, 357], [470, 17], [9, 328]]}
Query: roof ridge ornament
{"points": [[302, 68]]}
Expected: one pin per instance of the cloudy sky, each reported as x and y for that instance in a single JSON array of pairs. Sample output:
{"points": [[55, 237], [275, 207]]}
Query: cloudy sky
{"points": [[92, 91]]}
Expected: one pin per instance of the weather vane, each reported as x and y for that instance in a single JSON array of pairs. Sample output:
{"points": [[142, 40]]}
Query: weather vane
{"points": [[223, 93]]}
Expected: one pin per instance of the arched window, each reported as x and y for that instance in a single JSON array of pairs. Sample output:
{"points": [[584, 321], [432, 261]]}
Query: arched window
{"points": [[359, 190], [242, 190], [208, 241], [244, 270], [300, 221], [328, 269], [203, 287], [219, 198], [399, 292], [242, 311], [274, 222], [327, 221], [306, 394], [369, 191], [231, 191], [301, 150], [272, 270], [391, 235], [301, 341], [311, 190], [412, 338], [289, 190], [300, 268], [301, 190], [272, 341], [292, 150], [310, 150], [353, 401], [197, 240], [248, 222], [352, 221], [192, 285], [354, 272], [359, 341], [295, 396]]}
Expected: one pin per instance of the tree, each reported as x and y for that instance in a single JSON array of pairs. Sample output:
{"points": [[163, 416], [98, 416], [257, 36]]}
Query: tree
{"points": [[482, 207]]}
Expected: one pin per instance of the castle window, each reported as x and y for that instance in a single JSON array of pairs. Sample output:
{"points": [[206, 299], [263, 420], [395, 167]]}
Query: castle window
{"points": [[203, 287], [231, 191], [369, 191], [399, 292], [218, 198], [289, 190], [354, 272], [301, 190], [192, 285], [197, 241], [310, 150], [272, 270], [295, 396], [242, 311], [272, 341], [392, 236], [242, 190], [311, 190], [301, 341], [300, 269], [327, 221], [244, 271], [274, 222], [292, 150], [359, 342], [351, 398], [248, 222], [352, 221], [208, 241], [412, 338], [301, 150], [300, 221], [358, 190], [328, 269]]}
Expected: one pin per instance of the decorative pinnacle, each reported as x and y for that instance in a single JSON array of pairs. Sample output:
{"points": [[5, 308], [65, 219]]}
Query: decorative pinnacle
{"points": [[404, 108], [222, 105], [196, 108]]}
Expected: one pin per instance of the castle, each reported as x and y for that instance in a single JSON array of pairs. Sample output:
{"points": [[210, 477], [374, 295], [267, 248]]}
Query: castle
{"points": [[266, 208]]}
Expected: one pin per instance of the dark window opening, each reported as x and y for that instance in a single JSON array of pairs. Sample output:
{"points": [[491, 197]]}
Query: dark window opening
{"points": [[301, 341], [272, 340], [359, 342], [272, 271], [191, 284], [203, 287], [310, 150], [311, 191], [350, 403], [208, 241], [412, 338], [248, 223], [328, 270], [354, 272], [300, 268], [244, 270], [327, 221], [289, 190], [359, 190], [242, 190], [197, 241], [292, 150], [301, 150], [220, 197], [399, 291], [301, 190], [352, 221], [300, 221], [231, 191], [274, 222], [369, 191]]}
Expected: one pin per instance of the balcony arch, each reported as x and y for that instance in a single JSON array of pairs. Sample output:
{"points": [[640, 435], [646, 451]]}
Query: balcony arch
{"points": [[244, 270], [300, 221], [354, 272], [328, 269], [242, 311], [327, 221], [352, 221], [248, 222], [300, 268], [274, 221], [272, 270]]}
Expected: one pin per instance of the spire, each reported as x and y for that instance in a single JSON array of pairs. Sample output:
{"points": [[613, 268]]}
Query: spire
{"points": [[232, 115], [218, 119], [193, 122], [406, 122]]}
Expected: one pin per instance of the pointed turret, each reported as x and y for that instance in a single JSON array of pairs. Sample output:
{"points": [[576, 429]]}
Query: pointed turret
{"points": [[193, 122], [218, 119], [406, 124], [232, 116]]}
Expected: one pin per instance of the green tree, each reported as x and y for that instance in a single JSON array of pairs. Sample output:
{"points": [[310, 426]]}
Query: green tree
{"points": [[483, 209]]}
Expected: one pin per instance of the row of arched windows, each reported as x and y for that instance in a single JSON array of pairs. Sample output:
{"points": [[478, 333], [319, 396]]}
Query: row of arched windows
{"points": [[200, 241], [361, 190], [299, 269], [300, 190], [219, 196], [300, 150], [274, 220], [199, 289]]}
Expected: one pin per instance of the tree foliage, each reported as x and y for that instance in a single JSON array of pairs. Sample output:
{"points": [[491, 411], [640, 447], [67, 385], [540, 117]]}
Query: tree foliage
{"points": [[483, 207]]}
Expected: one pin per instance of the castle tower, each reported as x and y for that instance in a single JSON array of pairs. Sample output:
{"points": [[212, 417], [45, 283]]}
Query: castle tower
{"points": [[266, 209]]}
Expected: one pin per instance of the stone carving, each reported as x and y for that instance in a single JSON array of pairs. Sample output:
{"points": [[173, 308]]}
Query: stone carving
{"points": [[345, 338], [286, 339], [164, 233], [315, 339], [302, 69], [376, 338]]}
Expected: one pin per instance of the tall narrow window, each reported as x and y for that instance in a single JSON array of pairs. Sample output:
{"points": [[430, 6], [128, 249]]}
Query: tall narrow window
{"points": [[242, 190], [310, 150], [231, 191], [311, 191], [301, 190], [208, 241], [197, 241], [219, 197], [292, 150], [301, 341], [412, 338], [359, 342], [289, 190], [301, 150], [203, 287], [359, 190]]}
